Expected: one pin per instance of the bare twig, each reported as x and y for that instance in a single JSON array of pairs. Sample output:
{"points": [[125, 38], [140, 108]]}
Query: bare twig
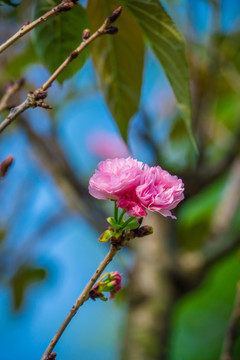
{"points": [[233, 331], [65, 5], [116, 245], [36, 98], [11, 89]]}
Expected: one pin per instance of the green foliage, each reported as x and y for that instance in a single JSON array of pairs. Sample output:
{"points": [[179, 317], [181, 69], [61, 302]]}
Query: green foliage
{"points": [[195, 216], [20, 282], [169, 48], [201, 319], [119, 62], [56, 38]]}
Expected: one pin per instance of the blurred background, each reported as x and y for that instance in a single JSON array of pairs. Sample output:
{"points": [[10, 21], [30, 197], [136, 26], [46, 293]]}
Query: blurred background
{"points": [[180, 283]]}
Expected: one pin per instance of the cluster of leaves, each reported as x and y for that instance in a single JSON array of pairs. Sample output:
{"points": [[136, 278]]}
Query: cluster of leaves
{"points": [[114, 58]]}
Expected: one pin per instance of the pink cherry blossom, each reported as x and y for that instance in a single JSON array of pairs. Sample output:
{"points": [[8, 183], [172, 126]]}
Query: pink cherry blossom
{"points": [[159, 191], [131, 204], [115, 177]]}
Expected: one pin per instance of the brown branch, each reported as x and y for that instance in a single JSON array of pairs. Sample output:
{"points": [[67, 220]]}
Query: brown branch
{"points": [[65, 5], [116, 245], [11, 89], [233, 331], [35, 99]]}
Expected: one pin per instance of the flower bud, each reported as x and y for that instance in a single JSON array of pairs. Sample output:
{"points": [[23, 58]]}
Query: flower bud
{"points": [[111, 30], [5, 164], [109, 282], [113, 17], [86, 34]]}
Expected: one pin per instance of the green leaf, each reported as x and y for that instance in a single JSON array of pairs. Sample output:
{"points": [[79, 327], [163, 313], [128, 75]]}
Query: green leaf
{"points": [[57, 37], [20, 282], [106, 235], [118, 60], [201, 319], [169, 48]]}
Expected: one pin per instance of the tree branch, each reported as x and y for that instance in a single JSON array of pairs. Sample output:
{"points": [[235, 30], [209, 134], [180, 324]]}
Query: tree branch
{"points": [[11, 89], [116, 245], [35, 99], [65, 5]]}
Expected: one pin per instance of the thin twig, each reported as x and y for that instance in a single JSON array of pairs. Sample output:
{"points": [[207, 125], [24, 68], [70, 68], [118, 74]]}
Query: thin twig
{"points": [[11, 89], [65, 5], [35, 99], [82, 298], [232, 332], [116, 245]]}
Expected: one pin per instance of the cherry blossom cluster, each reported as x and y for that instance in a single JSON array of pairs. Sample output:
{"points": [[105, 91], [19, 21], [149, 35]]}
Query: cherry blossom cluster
{"points": [[136, 187]]}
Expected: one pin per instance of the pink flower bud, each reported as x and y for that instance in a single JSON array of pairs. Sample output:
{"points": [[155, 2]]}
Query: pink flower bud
{"points": [[109, 282]]}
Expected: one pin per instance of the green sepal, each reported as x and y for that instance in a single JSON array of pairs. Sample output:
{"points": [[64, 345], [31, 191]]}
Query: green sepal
{"points": [[133, 224], [114, 224], [106, 235]]}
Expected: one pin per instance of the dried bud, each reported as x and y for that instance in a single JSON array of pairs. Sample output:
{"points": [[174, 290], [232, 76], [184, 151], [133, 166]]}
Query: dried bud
{"points": [[44, 105], [144, 231], [74, 54], [113, 17], [52, 356], [111, 30], [86, 34], [27, 22], [65, 6], [5, 164], [40, 95]]}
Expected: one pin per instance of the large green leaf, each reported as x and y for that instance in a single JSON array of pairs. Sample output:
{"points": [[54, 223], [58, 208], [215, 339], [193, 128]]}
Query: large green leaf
{"points": [[119, 62], [57, 37], [201, 319], [169, 48]]}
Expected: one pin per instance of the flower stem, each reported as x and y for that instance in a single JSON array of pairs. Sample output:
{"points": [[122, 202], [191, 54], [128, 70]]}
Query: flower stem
{"points": [[115, 211], [121, 216]]}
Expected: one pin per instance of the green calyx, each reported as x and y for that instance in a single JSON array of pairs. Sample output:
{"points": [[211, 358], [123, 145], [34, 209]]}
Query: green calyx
{"points": [[118, 224]]}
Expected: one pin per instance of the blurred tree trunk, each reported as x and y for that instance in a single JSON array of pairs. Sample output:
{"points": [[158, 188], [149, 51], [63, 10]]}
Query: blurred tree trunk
{"points": [[152, 295]]}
